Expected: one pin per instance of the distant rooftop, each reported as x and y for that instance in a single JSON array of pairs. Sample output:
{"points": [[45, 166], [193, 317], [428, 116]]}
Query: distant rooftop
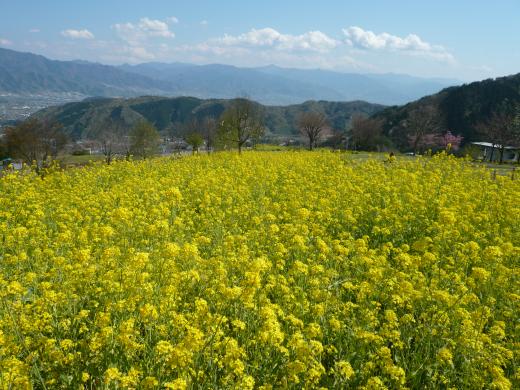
{"points": [[492, 145]]}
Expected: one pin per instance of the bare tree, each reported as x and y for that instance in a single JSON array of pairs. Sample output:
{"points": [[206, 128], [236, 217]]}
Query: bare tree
{"points": [[192, 125], [240, 123], [499, 130], [108, 143], [337, 139], [312, 124], [367, 133], [35, 141], [423, 121], [110, 139], [209, 131], [516, 131], [125, 145], [174, 130]]}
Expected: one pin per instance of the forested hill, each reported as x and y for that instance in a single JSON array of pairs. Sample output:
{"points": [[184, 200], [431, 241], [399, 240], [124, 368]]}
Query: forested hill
{"points": [[459, 109], [84, 120]]}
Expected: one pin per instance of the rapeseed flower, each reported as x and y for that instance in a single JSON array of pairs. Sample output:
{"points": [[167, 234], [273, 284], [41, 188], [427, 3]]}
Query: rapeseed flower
{"points": [[272, 270]]}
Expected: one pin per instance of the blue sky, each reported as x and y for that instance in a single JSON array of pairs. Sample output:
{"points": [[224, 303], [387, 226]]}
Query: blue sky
{"points": [[461, 39]]}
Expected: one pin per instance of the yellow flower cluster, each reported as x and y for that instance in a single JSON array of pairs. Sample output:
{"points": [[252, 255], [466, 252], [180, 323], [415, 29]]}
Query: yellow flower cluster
{"points": [[266, 270]]}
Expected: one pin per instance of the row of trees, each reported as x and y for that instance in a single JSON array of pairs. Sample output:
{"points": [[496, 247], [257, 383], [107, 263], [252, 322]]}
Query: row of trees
{"points": [[242, 123], [239, 125], [38, 142], [142, 141], [424, 129]]}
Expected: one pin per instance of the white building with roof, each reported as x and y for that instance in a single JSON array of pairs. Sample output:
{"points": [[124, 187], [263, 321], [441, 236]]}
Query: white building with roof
{"points": [[491, 152]]}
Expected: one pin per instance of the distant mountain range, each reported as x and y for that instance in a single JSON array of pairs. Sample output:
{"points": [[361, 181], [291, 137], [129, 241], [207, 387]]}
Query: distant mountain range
{"points": [[84, 120], [26, 73], [275, 85]]}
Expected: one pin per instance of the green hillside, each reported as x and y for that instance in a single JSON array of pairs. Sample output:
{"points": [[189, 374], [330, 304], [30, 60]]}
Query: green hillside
{"points": [[459, 109], [83, 120]]}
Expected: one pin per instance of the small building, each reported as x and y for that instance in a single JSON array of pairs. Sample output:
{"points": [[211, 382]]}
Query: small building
{"points": [[491, 152]]}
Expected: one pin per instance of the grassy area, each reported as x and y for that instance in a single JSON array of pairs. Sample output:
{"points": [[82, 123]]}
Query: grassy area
{"points": [[80, 160], [502, 169]]}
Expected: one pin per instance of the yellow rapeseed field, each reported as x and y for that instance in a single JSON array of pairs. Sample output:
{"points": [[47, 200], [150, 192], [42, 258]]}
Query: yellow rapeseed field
{"points": [[267, 270]]}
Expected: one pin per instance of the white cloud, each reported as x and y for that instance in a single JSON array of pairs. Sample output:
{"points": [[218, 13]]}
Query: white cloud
{"points": [[155, 28], [139, 53], [34, 30], [358, 50], [5, 42], [136, 33], [209, 52], [411, 44], [270, 38], [140, 39], [77, 34], [257, 47], [204, 23]]}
